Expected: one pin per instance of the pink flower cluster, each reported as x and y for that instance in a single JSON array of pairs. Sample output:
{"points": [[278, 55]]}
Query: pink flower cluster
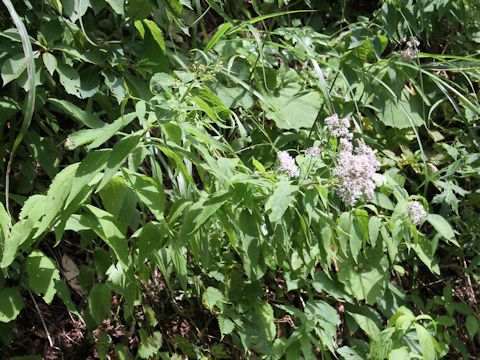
{"points": [[354, 172], [416, 212], [313, 152], [411, 51], [339, 127], [287, 164]]}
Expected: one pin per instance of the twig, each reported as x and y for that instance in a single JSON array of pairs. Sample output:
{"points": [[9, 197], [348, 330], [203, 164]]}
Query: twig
{"points": [[50, 341]]}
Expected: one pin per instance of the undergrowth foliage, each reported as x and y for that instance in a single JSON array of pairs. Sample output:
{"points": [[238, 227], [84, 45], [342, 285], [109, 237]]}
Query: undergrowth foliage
{"points": [[227, 179]]}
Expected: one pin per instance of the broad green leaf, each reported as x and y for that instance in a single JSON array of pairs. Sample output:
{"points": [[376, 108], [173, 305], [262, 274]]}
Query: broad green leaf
{"points": [[442, 226], [280, 200], [50, 62], [427, 343], [98, 136], [399, 354], [156, 33], [118, 6], [11, 304], [107, 228], [120, 201], [13, 67], [116, 86], [99, 301], [472, 325], [150, 239], [291, 106], [148, 191], [70, 79], [55, 200], [92, 165], [119, 154], [374, 224], [400, 113], [5, 224], [367, 279], [199, 213], [43, 275], [86, 118]]}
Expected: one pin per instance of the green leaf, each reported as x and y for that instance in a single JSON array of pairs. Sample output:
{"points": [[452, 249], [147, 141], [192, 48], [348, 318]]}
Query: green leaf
{"points": [[427, 343], [148, 191], [42, 275], [374, 224], [107, 228], [400, 113], [120, 201], [97, 136], [212, 297], [150, 239], [86, 118], [442, 226], [50, 62], [199, 213], [280, 200], [116, 85], [367, 279], [11, 304], [225, 325], [99, 301], [118, 6], [13, 67], [399, 354], [70, 79], [472, 325], [119, 154], [149, 345], [93, 164], [156, 33], [292, 107], [19, 233]]}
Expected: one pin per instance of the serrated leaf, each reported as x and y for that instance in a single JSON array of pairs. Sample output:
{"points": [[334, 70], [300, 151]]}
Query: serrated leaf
{"points": [[19, 233], [149, 345], [225, 325], [212, 297]]}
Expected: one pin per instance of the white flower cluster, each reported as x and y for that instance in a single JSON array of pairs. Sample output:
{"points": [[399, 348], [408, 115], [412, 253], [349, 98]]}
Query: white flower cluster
{"points": [[354, 172], [287, 164], [313, 152], [411, 52], [416, 212], [339, 127]]}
